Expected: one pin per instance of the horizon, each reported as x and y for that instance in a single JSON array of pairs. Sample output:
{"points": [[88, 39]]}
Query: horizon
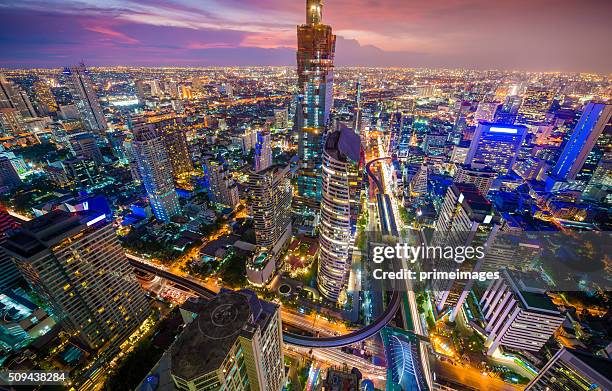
{"points": [[535, 36]]}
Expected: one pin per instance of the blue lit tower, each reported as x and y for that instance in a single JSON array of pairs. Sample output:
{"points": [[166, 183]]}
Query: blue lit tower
{"points": [[315, 65], [496, 145], [156, 172], [595, 117]]}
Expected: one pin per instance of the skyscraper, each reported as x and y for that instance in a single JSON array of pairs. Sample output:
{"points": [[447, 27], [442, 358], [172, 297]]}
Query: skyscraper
{"points": [[269, 201], [13, 97], [242, 342], [85, 98], [84, 144], [466, 218], [263, 150], [518, 316], [8, 174], [595, 117], [9, 274], [496, 145], [75, 263], [281, 118], [315, 64], [535, 105], [173, 134], [485, 112], [339, 210], [11, 122], [155, 172], [506, 114], [573, 370], [481, 177], [223, 188]]}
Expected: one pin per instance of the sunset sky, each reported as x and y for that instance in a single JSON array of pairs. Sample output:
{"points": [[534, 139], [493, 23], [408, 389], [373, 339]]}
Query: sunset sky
{"points": [[564, 35]]}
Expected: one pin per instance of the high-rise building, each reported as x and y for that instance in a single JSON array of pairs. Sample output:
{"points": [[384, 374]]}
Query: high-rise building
{"points": [[481, 177], [13, 97], [269, 201], [518, 315], [600, 184], [11, 122], [535, 105], [466, 218], [45, 101], [485, 112], [8, 174], [263, 150], [281, 118], [506, 114], [242, 338], [80, 173], [496, 145], [341, 189], [248, 138], [174, 136], [415, 176], [155, 171], [156, 89], [9, 274], [315, 65], [594, 119], [76, 264], [85, 144], [573, 370], [131, 157], [85, 98], [141, 90], [223, 188]]}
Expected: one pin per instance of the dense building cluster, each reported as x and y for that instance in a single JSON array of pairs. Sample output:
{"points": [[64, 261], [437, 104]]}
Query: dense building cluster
{"points": [[127, 192]]}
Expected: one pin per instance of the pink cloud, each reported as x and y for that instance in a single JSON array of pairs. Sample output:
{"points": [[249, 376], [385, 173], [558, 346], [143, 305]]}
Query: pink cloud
{"points": [[113, 34]]}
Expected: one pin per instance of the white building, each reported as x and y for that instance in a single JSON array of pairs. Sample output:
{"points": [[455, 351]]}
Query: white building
{"points": [[518, 314]]}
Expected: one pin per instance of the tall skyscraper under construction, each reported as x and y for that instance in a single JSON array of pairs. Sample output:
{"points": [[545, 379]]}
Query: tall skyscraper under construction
{"points": [[315, 63]]}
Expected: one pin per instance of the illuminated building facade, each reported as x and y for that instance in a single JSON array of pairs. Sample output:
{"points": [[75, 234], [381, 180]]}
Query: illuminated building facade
{"points": [[263, 150], [466, 217], [85, 98], [315, 65], [485, 112], [536, 103], [173, 134], [269, 202], [154, 167], [84, 144], [481, 177], [11, 122], [223, 188], [76, 264], [13, 97], [341, 188], [45, 101], [518, 316], [573, 370], [496, 145], [9, 274], [242, 342], [594, 119]]}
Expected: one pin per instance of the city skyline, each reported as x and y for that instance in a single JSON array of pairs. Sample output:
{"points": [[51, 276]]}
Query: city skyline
{"points": [[534, 36], [313, 228]]}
